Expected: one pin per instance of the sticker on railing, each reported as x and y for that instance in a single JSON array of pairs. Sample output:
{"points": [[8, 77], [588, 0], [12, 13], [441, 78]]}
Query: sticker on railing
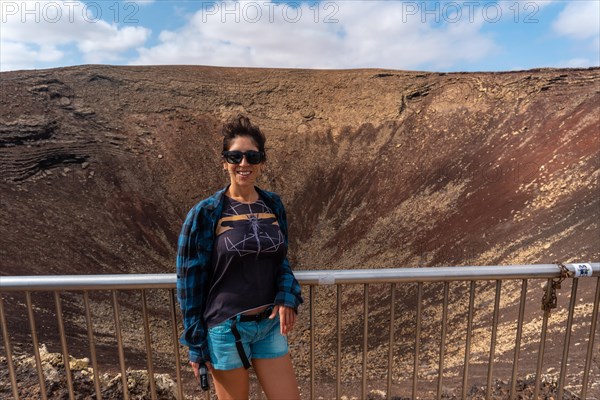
{"points": [[583, 270]]}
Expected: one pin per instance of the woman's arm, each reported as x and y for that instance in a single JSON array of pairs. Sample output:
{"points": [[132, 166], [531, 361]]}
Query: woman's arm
{"points": [[193, 263], [289, 293]]}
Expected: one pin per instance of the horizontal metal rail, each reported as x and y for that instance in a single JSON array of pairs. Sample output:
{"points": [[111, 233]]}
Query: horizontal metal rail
{"points": [[141, 282], [438, 274], [319, 277]]}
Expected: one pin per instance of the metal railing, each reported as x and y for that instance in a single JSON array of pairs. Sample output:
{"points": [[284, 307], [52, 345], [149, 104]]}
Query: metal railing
{"points": [[553, 273]]}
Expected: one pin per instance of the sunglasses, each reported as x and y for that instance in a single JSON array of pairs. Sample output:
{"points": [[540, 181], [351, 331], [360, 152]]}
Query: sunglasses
{"points": [[252, 156]]}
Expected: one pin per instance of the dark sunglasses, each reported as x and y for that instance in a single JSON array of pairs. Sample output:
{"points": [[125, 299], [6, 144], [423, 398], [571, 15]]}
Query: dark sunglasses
{"points": [[252, 156]]}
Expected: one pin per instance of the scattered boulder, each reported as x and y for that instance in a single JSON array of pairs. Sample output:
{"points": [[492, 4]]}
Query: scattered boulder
{"points": [[82, 375], [524, 389]]}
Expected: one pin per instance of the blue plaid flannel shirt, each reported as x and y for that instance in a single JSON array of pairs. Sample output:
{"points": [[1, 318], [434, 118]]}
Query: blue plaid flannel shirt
{"points": [[194, 251]]}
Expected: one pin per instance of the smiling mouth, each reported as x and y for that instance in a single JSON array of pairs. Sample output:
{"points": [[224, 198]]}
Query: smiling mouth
{"points": [[244, 173]]}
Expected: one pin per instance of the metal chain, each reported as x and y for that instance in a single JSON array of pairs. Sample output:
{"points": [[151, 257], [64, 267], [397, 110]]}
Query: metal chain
{"points": [[550, 301]]}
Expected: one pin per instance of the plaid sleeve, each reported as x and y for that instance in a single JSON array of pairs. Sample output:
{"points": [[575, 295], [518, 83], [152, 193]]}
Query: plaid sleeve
{"points": [[289, 293], [193, 263]]}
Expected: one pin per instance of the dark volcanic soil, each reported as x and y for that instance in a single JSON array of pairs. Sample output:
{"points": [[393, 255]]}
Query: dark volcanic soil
{"points": [[378, 168]]}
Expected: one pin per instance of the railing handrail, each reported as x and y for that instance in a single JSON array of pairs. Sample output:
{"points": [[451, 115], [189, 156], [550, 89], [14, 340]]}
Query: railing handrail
{"points": [[318, 277]]}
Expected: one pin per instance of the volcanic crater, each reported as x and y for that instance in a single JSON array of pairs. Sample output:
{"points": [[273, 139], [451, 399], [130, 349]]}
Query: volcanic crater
{"points": [[378, 169]]}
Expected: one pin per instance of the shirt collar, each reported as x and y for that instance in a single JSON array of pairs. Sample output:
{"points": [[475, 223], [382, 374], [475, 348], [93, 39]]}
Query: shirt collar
{"points": [[216, 199]]}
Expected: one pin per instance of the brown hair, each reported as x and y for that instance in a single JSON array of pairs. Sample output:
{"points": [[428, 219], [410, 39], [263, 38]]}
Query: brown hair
{"points": [[240, 125]]}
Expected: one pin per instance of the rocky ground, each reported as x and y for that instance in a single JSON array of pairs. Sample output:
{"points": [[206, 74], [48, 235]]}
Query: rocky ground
{"points": [[377, 168], [82, 376], [138, 385]]}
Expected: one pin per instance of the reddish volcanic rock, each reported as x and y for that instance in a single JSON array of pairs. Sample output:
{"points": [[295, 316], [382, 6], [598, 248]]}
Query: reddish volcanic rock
{"points": [[377, 168]]}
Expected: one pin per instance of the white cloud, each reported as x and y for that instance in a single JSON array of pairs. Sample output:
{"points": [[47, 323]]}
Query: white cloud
{"points": [[579, 20], [115, 41], [326, 35], [33, 30], [577, 63], [19, 55]]}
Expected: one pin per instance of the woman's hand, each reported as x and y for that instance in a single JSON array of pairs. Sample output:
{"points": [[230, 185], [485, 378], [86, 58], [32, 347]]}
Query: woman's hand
{"points": [[287, 318], [196, 368]]}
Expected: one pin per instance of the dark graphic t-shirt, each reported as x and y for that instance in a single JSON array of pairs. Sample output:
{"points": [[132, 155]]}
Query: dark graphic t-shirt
{"points": [[248, 253]]}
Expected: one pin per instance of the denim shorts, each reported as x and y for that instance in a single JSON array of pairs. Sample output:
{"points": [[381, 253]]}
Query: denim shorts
{"points": [[260, 340]]}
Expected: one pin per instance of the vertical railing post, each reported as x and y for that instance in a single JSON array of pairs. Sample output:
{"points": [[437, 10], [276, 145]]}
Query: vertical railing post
{"points": [[338, 365], [92, 343], [9, 357], [542, 346], [365, 340], [443, 340], [588, 357], [120, 344], [488, 391], [568, 329], [391, 342], [63, 341], [417, 338], [312, 342], [513, 383], [468, 341], [36, 348], [148, 341], [176, 342]]}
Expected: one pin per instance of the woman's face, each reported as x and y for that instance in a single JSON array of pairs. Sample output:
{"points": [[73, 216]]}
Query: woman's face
{"points": [[244, 173]]}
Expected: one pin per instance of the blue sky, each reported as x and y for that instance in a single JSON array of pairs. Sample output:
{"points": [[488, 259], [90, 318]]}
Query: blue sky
{"points": [[412, 35]]}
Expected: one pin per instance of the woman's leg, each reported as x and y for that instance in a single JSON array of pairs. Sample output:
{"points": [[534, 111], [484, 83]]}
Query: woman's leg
{"points": [[232, 384], [277, 377]]}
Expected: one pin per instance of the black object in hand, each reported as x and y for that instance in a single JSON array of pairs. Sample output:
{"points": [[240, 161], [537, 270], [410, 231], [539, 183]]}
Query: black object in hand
{"points": [[203, 377]]}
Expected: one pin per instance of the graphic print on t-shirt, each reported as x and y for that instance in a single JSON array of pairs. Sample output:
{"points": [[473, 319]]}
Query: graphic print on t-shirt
{"points": [[246, 261], [249, 228]]}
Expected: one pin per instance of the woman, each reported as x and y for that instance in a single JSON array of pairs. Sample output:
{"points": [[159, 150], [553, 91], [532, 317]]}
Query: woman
{"points": [[238, 295]]}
